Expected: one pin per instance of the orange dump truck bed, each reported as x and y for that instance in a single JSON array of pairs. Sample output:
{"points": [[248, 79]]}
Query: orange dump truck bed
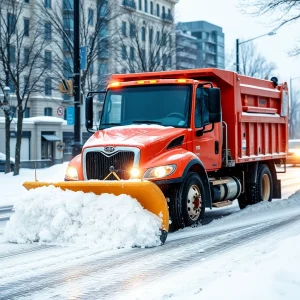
{"points": [[254, 111]]}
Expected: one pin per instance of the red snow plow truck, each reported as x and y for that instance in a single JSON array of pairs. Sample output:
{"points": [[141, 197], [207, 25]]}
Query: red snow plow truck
{"points": [[182, 141]]}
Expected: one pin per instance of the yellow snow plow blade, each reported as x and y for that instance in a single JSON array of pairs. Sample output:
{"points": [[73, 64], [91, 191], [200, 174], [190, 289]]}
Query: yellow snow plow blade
{"points": [[147, 193]]}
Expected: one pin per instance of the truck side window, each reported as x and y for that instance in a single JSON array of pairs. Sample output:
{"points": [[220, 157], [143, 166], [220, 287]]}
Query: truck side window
{"points": [[201, 111]]}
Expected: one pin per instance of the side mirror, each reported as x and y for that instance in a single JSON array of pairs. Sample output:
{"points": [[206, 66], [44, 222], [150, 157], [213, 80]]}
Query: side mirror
{"points": [[214, 105], [89, 112]]}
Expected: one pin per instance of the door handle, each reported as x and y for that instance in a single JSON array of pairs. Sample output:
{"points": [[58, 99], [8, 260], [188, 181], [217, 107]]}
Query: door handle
{"points": [[216, 147]]}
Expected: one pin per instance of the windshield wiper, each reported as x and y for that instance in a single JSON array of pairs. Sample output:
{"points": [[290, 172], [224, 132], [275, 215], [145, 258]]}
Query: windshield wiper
{"points": [[146, 122]]}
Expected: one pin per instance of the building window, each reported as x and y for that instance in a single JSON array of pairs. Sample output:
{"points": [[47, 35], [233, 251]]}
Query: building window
{"points": [[124, 28], [47, 3], [132, 30], [11, 85], [157, 37], [146, 6], [48, 31], [48, 86], [91, 17], [27, 112], [26, 27], [11, 22], [158, 59], [143, 54], [131, 53], [124, 71], [12, 54], [169, 62], [26, 55], [151, 7], [48, 111], [48, 59], [26, 82], [164, 39], [103, 70], [91, 68], [143, 34], [26, 1], [124, 52], [157, 10], [140, 4], [151, 35], [163, 12]]}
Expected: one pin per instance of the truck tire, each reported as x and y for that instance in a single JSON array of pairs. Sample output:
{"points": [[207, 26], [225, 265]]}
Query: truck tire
{"points": [[260, 191], [188, 207]]}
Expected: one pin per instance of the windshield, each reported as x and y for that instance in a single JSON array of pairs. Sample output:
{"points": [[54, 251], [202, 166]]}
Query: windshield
{"points": [[166, 105]]}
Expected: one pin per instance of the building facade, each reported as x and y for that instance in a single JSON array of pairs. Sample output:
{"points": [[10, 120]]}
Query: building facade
{"points": [[186, 50], [210, 40], [119, 36]]}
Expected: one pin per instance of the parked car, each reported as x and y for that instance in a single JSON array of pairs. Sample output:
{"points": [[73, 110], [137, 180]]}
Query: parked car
{"points": [[2, 162], [293, 156]]}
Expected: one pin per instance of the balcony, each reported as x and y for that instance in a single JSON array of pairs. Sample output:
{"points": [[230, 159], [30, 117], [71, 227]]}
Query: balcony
{"points": [[167, 17], [129, 4]]}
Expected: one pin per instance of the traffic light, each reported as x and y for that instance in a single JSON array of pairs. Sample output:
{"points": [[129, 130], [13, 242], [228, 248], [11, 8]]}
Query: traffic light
{"points": [[66, 86]]}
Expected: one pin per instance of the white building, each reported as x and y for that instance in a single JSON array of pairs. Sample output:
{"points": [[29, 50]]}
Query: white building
{"points": [[42, 137]]}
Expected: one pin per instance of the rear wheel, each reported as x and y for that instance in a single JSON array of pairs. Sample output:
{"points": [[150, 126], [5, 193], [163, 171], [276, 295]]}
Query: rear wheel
{"points": [[187, 207], [262, 190]]}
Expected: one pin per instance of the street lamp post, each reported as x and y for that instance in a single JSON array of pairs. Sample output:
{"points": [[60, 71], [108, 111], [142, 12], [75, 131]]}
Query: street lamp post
{"points": [[5, 106], [238, 43], [77, 146]]}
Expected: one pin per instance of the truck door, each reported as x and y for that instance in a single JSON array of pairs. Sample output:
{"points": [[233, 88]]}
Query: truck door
{"points": [[207, 143]]}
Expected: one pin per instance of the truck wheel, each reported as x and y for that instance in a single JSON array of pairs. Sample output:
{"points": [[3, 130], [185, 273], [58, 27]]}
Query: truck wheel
{"points": [[262, 190], [265, 188], [191, 201]]}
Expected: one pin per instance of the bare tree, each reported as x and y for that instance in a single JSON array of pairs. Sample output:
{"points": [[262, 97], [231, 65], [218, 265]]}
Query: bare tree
{"points": [[294, 116], [144, 46], [252, 63], [287, 11], [21, 64], [93, 34]]}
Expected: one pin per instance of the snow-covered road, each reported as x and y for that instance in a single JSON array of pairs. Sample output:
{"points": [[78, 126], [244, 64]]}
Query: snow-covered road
{"points": [[222, 259]]}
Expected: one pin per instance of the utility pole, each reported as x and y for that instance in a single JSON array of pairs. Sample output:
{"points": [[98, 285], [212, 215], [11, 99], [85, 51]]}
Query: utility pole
{"points": [[77, 145], [237, 56]]}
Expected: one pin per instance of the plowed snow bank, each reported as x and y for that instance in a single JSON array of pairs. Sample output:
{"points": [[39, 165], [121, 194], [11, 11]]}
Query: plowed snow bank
{"points": [[50, 215]]}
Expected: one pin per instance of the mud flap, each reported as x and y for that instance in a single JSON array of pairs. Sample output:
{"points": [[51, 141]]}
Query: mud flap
{"points": [[147, 193]]}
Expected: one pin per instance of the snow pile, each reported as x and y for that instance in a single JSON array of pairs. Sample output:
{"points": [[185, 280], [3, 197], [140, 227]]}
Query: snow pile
{"points": [[263, 209], [49, 215]]}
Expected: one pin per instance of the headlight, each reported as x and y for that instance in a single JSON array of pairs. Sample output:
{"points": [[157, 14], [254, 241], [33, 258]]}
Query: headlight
{"points": [[71, 173], [297, 152], [159, 172], [134, 172]]}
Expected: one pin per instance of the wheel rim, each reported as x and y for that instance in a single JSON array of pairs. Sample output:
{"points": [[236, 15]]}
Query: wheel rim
{"points": [[266, 187], [194, 202]]}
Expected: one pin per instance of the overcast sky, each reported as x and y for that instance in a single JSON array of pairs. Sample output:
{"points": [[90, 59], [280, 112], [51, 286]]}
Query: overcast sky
{"points": [[235, 24]]}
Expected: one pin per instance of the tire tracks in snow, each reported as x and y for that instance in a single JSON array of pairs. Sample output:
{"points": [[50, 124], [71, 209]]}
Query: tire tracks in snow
{"points": [[104, 276]]}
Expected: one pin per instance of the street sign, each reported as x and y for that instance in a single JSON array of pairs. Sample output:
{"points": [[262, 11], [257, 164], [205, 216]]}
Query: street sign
{"points": [[60, 111], [70, 115], [83, 58]]}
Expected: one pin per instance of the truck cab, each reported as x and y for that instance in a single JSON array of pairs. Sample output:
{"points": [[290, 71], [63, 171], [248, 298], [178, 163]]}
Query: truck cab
{"points": [[180, 130]]}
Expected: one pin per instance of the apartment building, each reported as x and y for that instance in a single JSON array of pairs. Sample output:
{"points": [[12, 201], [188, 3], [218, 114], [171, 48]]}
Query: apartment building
{"points": [[210, 40], [114, 28], [186, 50]]}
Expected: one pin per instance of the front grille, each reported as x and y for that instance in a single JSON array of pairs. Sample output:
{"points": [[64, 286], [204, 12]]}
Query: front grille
{"points": [[98, 164]]}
